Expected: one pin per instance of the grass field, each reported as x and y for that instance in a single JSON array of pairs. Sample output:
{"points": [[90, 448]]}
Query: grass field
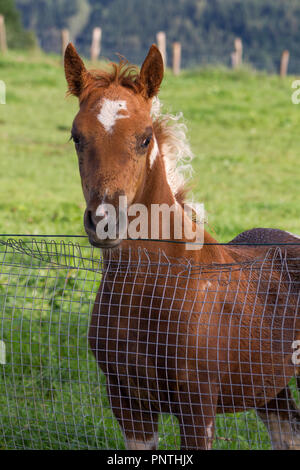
{"points": [[244, 133], [243, 128]]}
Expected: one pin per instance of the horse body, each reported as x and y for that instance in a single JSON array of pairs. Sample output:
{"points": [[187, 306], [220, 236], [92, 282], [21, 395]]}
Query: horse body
{"points": [[210, 343], [187, 336]]}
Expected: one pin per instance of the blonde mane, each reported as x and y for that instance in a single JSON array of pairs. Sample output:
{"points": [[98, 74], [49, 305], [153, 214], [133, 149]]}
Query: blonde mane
{"points": [[171, 135], [172, 140]]}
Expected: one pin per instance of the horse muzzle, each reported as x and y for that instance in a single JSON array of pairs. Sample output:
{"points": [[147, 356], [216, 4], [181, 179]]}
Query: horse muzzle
{"points": [[102, 230]]}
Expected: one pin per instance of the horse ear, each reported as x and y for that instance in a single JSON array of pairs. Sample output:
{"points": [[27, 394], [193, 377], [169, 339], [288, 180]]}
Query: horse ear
{"points": [[152, 72], [75, 71]]}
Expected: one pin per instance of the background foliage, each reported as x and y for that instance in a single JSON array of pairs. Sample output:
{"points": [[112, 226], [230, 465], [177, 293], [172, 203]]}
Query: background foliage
{"points": [[16, 36], [206, 28]]}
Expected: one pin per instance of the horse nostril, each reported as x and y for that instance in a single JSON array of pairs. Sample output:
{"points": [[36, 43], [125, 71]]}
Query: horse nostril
{"points": [[92, 220], [90, 223], [101, 224]]}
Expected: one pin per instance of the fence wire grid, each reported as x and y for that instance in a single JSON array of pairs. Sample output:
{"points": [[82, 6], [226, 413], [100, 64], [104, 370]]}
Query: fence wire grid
{"points": [[133, 349]]}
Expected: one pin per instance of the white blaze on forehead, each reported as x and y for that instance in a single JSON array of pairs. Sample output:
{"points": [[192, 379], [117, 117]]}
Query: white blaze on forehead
{"points": [[110, 113], [154, 152]]}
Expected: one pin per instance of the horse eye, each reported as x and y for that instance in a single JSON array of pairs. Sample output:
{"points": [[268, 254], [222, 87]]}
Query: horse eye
{"points": [[146, 142]]}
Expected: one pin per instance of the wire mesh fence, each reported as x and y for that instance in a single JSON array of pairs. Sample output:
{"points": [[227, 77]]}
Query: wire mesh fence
{"points": [[139, 350]]}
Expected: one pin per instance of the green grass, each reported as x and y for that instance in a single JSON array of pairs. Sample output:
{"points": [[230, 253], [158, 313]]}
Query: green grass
{"points": [[244, 133], [243, 128]]}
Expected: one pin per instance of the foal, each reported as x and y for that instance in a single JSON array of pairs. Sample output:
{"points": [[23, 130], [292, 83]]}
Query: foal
{"points": [[190, 345]]}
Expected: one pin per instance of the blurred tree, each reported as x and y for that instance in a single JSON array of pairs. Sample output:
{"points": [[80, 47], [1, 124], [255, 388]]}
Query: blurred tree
{"points": [[17, 37], [206, 28], [47, 18]]}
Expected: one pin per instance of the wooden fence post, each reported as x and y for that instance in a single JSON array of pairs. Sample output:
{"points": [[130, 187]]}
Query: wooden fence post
{"points": [[176, 58], [284, 63], [161, 42], [234, 60], [238, 45], [96, 44], [65, 39], [2, 92], [3, 43]]}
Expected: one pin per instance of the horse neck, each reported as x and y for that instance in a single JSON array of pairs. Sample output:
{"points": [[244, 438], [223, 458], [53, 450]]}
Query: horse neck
{"points": [[156, 190]]}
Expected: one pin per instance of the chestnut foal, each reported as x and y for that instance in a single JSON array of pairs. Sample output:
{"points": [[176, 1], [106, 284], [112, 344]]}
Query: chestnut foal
{"points": [[190, 345]]}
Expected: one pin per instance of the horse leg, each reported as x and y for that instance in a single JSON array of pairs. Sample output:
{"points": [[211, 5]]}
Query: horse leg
{"points": [[282, 419], [197, 420], [142, 433], [139, 427]]}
